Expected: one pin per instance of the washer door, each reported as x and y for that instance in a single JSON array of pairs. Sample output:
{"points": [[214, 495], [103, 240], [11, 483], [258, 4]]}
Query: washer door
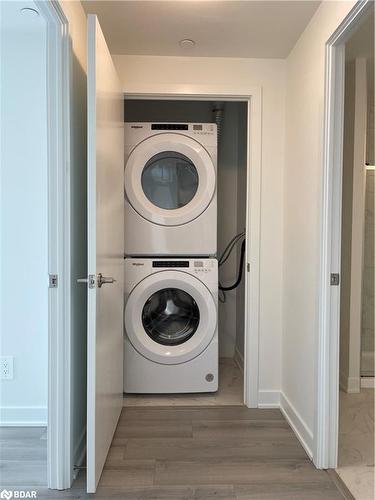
{"points": [[170, 317], [170, 179]]}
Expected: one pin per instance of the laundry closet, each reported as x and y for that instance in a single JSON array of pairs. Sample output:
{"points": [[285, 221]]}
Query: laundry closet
{"points": [[229, 182]]}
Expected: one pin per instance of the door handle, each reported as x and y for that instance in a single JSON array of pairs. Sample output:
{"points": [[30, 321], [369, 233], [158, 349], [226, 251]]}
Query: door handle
{"points": [[102, 280]]}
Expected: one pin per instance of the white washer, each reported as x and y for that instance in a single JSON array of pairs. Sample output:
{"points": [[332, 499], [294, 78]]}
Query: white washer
{"points": [[171, 335], [170, 189]]}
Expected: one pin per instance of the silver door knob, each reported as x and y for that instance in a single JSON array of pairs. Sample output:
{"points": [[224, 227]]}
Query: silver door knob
{"points": [[104, 279]]}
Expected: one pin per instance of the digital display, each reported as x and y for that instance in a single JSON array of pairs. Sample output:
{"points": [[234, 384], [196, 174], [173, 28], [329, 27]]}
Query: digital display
{"points": [[197, 127], [169, 126], [170, 263]]}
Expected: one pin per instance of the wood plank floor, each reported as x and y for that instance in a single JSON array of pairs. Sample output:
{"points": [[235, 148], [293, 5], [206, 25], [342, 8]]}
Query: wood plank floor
{"points": [[186, 453], [23, 456]]}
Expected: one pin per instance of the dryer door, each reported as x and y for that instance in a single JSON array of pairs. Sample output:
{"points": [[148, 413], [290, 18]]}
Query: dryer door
{"points": [[170, 317], [170, 179]]}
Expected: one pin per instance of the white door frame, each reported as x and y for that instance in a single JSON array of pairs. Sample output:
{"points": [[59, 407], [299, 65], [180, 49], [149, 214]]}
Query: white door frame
{"points": [[253, 97], [327, 353], [59, 454]]}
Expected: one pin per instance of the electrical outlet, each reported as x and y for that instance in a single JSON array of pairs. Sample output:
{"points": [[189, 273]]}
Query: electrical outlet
{"points": [[6, 367]]}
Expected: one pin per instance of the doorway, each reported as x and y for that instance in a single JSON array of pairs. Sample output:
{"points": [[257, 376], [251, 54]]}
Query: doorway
{"points": [[356, 398], [336, 229], [106, 195], [231, 121]]}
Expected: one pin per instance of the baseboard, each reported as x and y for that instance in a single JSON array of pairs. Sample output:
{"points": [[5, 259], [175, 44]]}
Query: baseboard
{"points": [[23, 416], [79, 453], [341, 486], [269, 399], [351, 385], [301, 430], [238, 359], [367, 382]]}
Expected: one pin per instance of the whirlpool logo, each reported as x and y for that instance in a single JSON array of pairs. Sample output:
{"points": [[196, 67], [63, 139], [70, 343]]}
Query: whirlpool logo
{"points": [[8, 494]]}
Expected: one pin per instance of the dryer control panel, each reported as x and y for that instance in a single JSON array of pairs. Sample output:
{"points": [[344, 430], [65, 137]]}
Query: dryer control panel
{"points": [[204, 265], [136, 132], [170, 263]]}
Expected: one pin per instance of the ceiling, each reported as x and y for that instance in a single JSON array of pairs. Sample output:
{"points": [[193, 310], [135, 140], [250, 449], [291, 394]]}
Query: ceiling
{"points": [[13, 20], [259, 29]]}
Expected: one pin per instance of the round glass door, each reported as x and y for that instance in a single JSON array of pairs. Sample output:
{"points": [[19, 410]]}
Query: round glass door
{"points": [[170, 180], [170, 316]]}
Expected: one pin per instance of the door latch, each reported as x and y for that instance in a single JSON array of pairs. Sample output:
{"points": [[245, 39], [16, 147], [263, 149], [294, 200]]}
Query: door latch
{"points": [[53, 281], [90, 280], [335, 279]]}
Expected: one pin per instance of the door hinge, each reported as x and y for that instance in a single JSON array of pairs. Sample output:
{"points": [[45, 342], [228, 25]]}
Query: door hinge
{"points": [[335, 279], [248, 267], [53, 281]]}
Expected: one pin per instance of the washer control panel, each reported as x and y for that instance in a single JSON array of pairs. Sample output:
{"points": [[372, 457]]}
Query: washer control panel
{"points": [[203, 266]]}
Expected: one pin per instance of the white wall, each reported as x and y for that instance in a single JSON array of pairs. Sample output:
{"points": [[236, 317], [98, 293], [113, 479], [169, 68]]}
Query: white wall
{"points": [[186, 73], [370, 140], [368, 306], [346, 228], [231, 221], [227, 223], [241, 223], [77, 28], [24, 264], [303, 181]]}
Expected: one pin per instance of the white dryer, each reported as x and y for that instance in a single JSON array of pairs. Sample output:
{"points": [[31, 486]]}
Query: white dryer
{"points": [[171, 335], [170, 189]]}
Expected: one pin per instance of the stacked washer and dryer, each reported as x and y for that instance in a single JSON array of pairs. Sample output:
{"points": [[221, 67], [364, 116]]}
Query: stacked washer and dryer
{"points": [[171, 273]]}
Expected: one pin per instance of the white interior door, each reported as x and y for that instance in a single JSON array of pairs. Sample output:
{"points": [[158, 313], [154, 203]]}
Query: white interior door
{"points": [[105, 251]]}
